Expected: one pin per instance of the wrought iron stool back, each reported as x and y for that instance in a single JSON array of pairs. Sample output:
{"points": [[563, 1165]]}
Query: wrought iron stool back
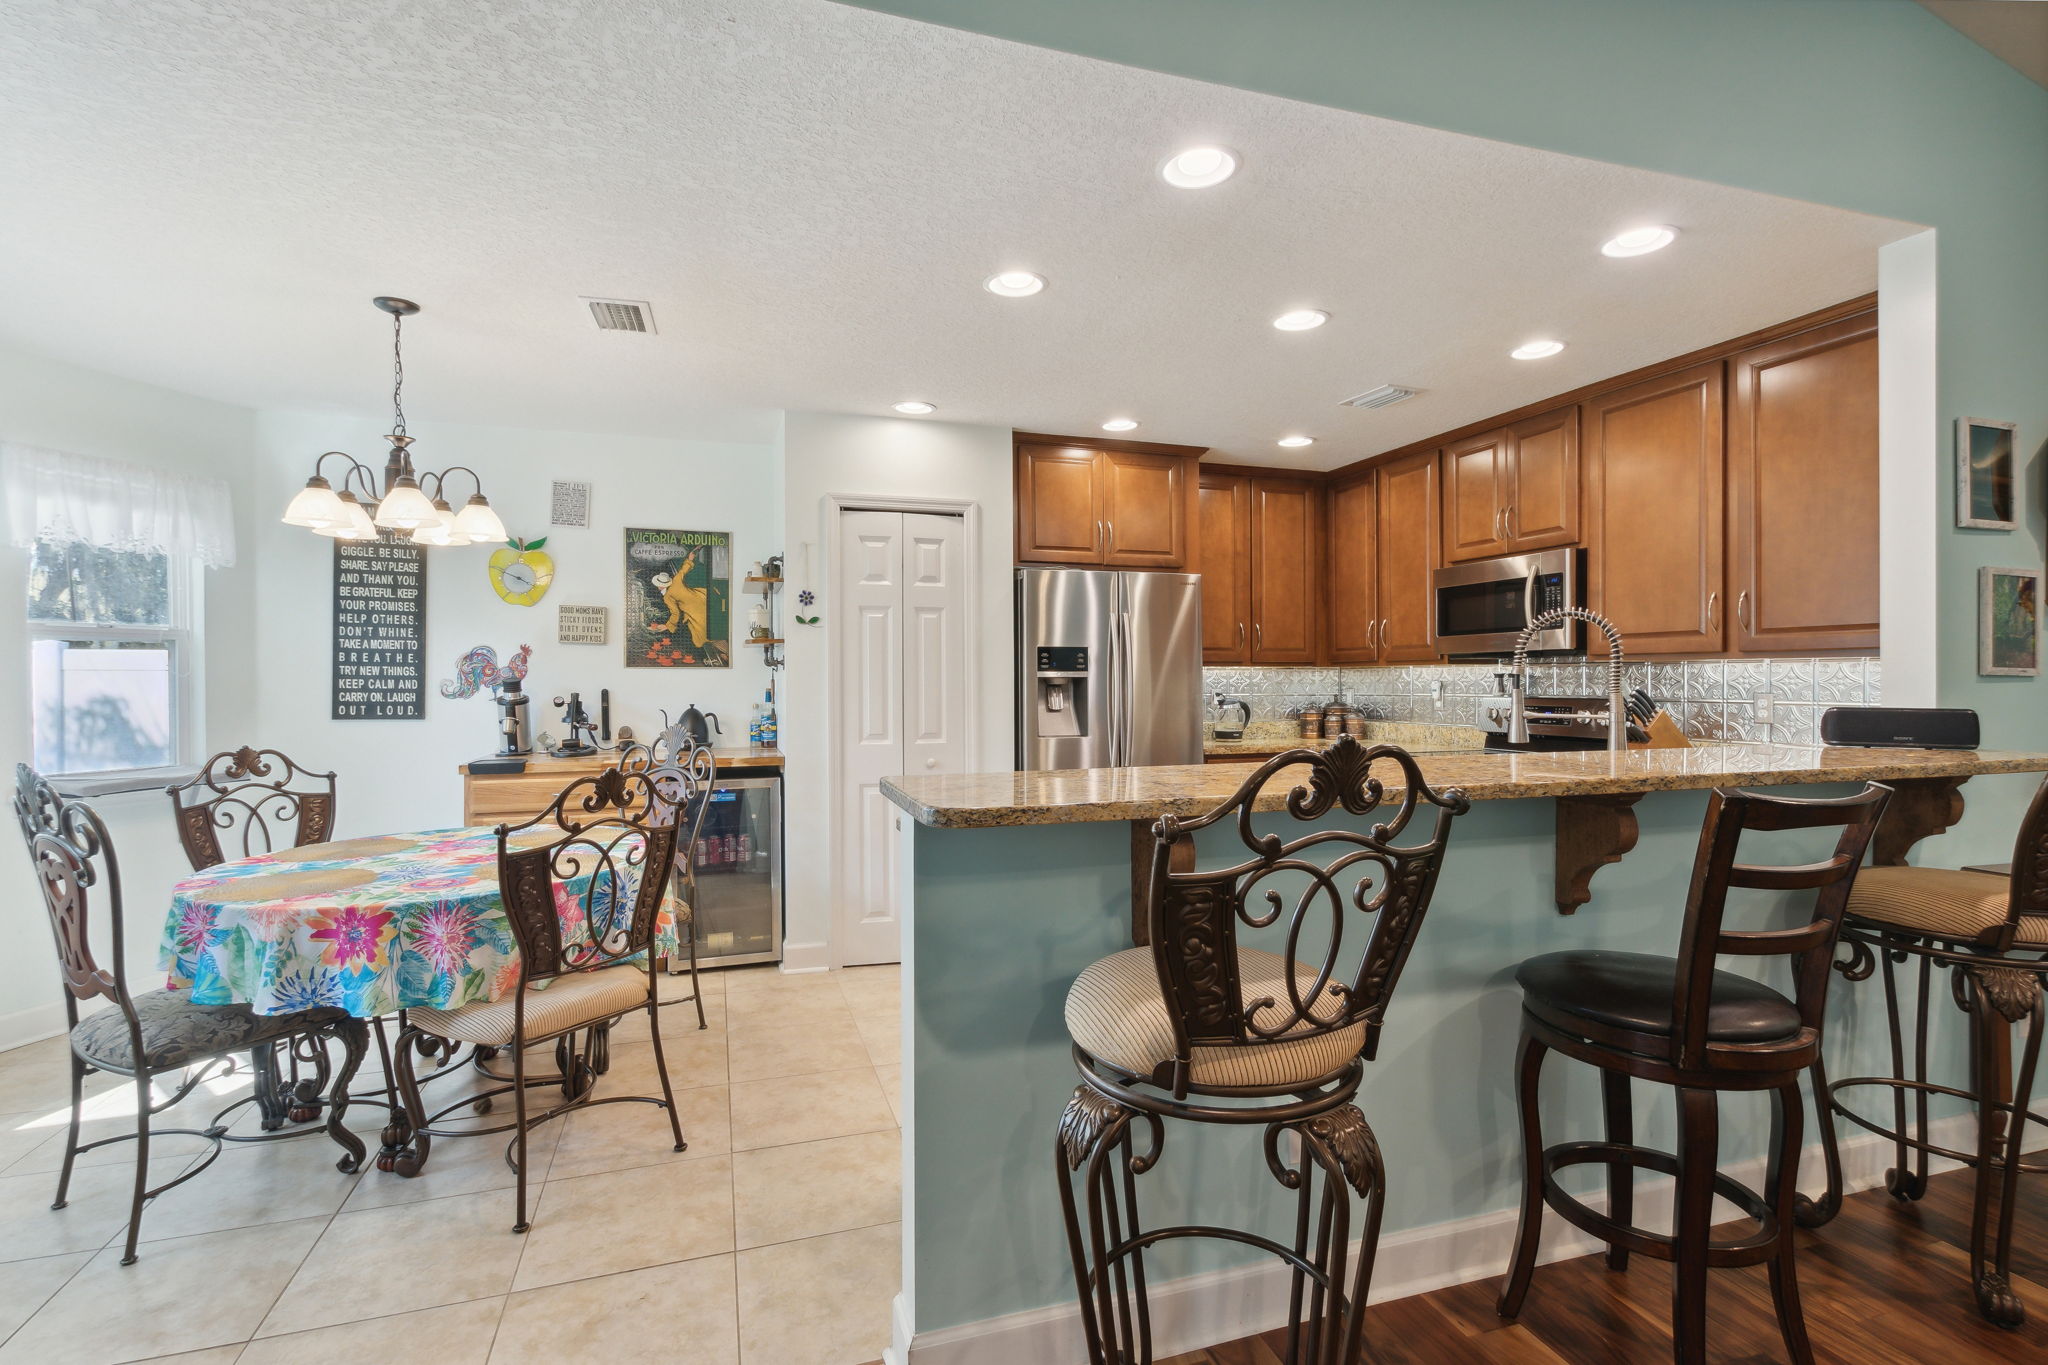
{"points": [[1284, 1040], [245, 800]]}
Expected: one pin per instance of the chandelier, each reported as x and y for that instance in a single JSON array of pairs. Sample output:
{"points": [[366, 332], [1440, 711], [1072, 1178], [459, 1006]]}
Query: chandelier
{"points": [[402, 509]]}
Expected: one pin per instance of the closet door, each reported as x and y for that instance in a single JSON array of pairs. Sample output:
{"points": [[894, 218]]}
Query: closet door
{"points": [[871, 737]]}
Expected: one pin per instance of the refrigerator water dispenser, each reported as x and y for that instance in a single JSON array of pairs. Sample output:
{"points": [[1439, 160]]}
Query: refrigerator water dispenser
{"points": [[1062, 692]]}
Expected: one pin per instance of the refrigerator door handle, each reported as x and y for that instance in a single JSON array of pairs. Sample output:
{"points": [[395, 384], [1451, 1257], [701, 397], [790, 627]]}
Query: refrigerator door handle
{"points": [[1126, 688]]}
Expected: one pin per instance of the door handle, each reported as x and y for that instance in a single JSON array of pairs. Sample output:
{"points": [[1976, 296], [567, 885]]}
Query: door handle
{"points": [[1742, 609], [1714, 610]]}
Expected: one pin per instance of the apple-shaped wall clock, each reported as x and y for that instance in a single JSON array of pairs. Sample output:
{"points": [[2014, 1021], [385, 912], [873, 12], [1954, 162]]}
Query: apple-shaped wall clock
{"points": [[521, 572]]}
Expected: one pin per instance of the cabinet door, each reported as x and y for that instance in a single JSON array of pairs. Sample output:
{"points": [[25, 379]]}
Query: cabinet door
{"points": [[1354, 605], [1802, 491], [1542, 482], [1285, 563], [1144, 510], [1653, 479], [1407, 557], [1059, 505], [1226, 561], [1475, 500]]}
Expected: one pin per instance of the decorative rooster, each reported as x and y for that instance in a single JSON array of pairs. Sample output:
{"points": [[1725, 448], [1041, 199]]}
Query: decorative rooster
{"points": [[479, 669]]}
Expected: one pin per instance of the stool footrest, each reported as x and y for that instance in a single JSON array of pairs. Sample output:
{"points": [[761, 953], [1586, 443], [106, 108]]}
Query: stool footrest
{"points": [[1751, 1249], [2002, 1107]]}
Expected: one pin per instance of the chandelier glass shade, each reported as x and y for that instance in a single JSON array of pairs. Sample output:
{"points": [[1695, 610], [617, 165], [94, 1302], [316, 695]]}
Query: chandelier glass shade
{"points": [[365, 509]]}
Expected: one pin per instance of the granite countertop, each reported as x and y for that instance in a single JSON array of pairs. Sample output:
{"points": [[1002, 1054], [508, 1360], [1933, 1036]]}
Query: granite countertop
{"points": [[1078, 796]]}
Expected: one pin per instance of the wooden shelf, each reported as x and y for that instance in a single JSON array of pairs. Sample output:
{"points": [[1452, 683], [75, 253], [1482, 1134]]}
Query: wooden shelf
{"points": [[751, 579], [776, 641]]}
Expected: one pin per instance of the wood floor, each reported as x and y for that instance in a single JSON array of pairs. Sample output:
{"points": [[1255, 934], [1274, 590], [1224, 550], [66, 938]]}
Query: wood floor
{"points": [[1884, 1282]]}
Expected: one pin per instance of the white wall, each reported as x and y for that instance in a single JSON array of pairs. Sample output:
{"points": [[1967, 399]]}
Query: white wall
{"points": [[62, 407], [401, 774], [827, 454]]}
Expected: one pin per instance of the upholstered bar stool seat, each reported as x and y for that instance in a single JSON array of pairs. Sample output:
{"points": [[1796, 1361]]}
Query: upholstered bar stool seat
{"points": [[1942, 902], [568, 1002], [1632, 992], [1116, 1014], [176, 1032]]}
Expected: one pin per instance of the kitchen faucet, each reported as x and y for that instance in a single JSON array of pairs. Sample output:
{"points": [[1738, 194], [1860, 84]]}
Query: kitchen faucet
{"points": [[1516, 679]]}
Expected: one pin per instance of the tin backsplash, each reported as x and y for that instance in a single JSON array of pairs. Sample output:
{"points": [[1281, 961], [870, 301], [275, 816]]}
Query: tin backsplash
{"points": [[1714, 699]]}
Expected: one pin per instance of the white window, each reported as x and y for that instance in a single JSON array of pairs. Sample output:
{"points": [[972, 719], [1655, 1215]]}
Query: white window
{"points": [[112, 647]]}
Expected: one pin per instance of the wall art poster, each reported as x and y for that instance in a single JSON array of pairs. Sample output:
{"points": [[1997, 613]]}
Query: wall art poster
{"points": [[1986, 475], [678, 599], [380, 630], [583, 625], [2009, 623], [570, 504]]}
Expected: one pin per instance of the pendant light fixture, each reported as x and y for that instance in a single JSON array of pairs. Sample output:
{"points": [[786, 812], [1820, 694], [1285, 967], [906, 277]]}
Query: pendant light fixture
{"points": [[402, 507]]}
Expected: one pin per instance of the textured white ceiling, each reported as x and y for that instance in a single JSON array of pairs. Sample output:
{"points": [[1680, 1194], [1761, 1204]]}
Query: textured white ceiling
{"points": [[206, 195]]}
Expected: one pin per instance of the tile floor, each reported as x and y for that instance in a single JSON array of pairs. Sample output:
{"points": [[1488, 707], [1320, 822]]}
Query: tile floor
{"points": [[772, 1241]]}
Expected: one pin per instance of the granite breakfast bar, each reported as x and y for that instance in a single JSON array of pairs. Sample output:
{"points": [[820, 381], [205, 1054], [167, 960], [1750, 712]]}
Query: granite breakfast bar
{"points": [[1011, 883]]}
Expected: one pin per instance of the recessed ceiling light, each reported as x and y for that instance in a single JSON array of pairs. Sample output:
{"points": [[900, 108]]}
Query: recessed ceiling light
{"points": [[1198, 168], [1301, 319], [1536, 350], [1293, 441], [1014, 284], [1640, 241], [1119, 424], [913, 408]]}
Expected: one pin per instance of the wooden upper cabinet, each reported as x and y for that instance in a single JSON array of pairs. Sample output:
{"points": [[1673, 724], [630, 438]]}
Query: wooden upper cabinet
{"points": [[1477, 488], [1059, 505], [1407, 553], [1225, 539], [1286, 577], [1117, 504], [1144, 510], [1543, 482], [1353, 610], [1802, 491], [1653, 505]]}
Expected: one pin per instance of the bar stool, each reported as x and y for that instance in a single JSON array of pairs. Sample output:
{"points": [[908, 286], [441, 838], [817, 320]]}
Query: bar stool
{"points": [[1262, 1039], [1681, 1022], [1990, 932]]}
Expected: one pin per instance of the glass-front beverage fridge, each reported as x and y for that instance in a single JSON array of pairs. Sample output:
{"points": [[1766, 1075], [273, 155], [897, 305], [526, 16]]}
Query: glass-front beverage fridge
{"points": [[738, 871]]}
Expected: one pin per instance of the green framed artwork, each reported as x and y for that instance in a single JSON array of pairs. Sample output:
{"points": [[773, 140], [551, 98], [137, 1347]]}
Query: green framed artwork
{"points": [[678, 599], [1987, 475], [2009, 623]]}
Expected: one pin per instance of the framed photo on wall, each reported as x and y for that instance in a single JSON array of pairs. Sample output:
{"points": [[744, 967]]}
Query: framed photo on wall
{"points": [[1987, 475], [678, 599], [2009, 623]]}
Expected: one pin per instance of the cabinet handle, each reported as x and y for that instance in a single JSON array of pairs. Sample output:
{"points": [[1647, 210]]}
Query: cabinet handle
{"points": [[1508, 522], [1101, 539], [1258, 635], [1499, 515], [1742, 608], [1240, 635], [1111, 542], [1372, 634], [1383, 635], [1713, 610]]}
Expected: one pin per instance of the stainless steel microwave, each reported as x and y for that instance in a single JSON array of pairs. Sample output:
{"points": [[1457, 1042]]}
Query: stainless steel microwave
{"points": [[1481, 607]]}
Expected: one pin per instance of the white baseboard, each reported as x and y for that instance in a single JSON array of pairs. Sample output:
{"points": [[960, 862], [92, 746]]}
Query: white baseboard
{"points": [[1223, 1305], [22, 1027], [806, 957]]}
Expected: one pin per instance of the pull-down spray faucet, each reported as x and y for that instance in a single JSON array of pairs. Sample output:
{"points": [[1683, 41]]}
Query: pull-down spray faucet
{"points": [[1516, 679]]}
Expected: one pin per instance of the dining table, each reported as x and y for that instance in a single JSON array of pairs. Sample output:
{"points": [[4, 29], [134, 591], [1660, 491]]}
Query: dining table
{"points": [[369, 925]]}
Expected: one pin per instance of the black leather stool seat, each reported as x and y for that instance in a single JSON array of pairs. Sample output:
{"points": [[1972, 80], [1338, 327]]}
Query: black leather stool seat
{"points": [[1633, 991]]}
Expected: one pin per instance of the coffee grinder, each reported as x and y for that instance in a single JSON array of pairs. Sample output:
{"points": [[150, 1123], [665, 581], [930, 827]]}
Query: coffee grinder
{"points": [[515, 723]]}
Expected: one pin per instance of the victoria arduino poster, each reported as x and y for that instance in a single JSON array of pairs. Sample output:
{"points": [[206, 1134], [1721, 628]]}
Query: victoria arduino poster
{"points": [[678, 599]]}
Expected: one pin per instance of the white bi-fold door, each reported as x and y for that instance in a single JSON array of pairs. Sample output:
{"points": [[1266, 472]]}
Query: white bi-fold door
{"points": [[902, 701]]}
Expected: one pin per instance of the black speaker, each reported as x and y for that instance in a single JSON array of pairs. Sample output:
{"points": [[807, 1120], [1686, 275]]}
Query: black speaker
{"points": [[1899, 727]]}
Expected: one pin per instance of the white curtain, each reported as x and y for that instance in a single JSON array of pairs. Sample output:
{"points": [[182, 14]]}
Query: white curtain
{"points": [[115, 506]]}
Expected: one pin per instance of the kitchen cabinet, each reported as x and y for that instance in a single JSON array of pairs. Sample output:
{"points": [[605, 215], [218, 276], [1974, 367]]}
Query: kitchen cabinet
{"points": [[1286, 570], [1654, 471], [1383, 548], [1112, 504], [1802, 491], [1354, 607], [1225, 502], [1513, 489]]}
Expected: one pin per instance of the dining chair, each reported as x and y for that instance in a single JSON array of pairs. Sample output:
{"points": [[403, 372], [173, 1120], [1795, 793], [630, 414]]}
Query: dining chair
{"points": [[674, 747], [245, 802], [583, 885], [152, 1033]]}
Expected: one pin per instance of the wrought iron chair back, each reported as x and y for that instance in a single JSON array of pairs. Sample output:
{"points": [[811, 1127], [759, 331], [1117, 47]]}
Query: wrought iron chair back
{"points": [[1811, 945], [2029, 894], [73, 858], [244, 800], [1195, 916], [588, 897]]}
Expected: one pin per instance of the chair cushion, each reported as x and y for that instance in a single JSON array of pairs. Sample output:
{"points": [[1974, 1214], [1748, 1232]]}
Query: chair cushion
{"points": [[1940, 902], [176, 1032], [568, 1002], [1633, 991], [1116, 1012]]}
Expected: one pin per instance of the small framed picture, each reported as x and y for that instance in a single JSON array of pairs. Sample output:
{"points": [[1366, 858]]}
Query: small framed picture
{"points": [[569, 503], [1987, 476], [2009, 623]]}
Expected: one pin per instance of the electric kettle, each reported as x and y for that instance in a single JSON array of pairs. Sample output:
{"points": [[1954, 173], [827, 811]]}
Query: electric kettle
{"points": [[1221, 709], [694, 723]]}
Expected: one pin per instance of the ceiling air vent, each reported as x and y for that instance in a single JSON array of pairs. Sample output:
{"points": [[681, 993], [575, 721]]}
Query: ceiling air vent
{"points": [[622, 315], [1386, 395]]}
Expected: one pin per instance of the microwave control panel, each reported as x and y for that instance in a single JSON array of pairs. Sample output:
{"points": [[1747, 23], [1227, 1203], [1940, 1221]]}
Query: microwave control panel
{"points": [[1549, 592]]}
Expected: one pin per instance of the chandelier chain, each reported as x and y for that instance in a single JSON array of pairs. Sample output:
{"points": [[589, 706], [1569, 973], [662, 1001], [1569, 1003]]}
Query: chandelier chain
{"points": [[397, 375]]}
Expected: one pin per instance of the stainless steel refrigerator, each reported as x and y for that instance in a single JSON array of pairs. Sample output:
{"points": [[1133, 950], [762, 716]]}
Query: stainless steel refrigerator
{"points": [[1109, 669]]}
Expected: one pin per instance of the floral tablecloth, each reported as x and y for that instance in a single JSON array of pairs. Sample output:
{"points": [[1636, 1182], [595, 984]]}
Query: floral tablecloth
{"points": [[370, 925]]}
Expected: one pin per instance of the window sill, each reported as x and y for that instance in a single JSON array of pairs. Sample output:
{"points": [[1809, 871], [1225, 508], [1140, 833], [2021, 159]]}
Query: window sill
{"points": [[132, 780]]}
